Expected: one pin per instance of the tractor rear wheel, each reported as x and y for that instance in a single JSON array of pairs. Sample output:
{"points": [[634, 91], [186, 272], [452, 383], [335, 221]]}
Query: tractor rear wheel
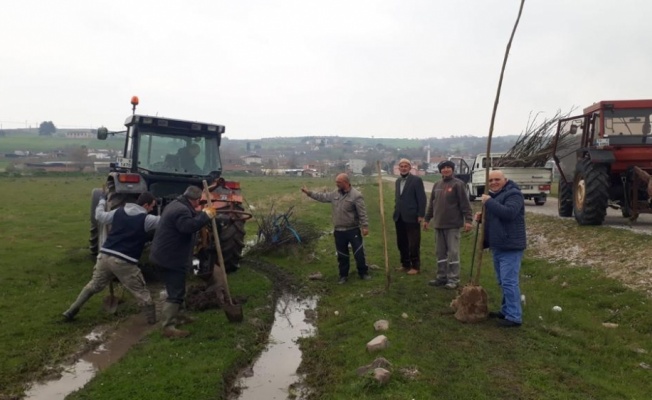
{"points": [[590, 193], [565, 200], [232, 235]]}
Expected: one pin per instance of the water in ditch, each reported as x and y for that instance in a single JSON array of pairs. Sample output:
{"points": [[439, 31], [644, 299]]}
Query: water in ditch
{"points": [[107, 349], [274, 373]]}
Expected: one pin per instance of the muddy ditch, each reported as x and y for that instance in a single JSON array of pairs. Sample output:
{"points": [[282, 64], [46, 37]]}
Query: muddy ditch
{"points": [[107, 344]]}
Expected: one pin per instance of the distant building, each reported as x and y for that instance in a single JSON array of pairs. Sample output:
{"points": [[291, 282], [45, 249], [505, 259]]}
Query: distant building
{"points": [[355, 165], [252, 159], [79, 134]]}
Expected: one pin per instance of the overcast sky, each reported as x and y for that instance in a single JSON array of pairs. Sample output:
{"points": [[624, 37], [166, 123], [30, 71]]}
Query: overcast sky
{"points": [[265, 68]]}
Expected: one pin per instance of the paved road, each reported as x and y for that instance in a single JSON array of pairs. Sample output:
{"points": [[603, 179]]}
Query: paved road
{"points": [[614, 217]]}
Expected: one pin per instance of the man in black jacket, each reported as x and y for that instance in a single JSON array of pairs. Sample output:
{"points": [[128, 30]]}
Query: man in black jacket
{"points": [[171, 251], [409, 210]]}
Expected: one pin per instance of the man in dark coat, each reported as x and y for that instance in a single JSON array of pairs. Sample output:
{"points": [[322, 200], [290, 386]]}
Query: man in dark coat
{"points": [[409, 209], [505, 236], [171, 251]]}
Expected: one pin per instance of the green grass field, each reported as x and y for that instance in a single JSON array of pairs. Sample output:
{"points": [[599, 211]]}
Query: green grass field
{"points": [[567, 355]]}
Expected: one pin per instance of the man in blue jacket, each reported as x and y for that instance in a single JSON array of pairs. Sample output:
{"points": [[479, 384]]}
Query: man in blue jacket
{"points": [[171, 251], [120, 252], [505, 236]]}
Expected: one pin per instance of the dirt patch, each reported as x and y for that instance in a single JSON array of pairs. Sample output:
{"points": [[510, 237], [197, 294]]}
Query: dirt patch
{"points": [[619, 255], [471, 304]]}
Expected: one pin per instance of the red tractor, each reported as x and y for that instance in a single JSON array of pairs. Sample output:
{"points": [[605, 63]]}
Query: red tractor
{"points": [[604, 157], [164, 156]]}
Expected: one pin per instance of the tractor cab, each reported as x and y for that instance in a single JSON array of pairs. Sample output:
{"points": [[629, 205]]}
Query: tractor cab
{"points": [[163, 156]]}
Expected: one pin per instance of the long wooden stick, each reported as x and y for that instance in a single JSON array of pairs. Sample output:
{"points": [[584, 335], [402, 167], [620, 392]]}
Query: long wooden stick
{"points": [[382, 223], [491, 131], [218, 248]]}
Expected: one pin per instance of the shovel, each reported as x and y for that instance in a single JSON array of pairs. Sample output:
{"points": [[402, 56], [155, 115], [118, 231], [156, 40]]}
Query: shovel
{"points": [[233, 311], [110, 302]]}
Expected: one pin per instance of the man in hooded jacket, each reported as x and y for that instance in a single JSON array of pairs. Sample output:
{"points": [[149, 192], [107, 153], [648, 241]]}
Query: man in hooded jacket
{"points": [[118, 257]]}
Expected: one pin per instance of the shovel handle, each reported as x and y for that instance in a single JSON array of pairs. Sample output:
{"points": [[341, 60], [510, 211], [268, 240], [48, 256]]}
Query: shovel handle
{"points": [[218, 247]]}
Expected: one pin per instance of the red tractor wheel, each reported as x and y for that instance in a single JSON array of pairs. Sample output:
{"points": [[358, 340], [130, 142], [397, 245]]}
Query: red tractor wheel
{"points": [[590, 193]]}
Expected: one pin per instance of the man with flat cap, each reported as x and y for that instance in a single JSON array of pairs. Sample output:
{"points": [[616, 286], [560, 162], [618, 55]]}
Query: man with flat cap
{"points": [[409, 210], [450, 210], [171, 251]]}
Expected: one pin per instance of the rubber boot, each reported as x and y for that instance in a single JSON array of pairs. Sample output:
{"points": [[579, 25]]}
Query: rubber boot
{"points": [[184, 319], [169, 314], [83, 297], [149, 311]]}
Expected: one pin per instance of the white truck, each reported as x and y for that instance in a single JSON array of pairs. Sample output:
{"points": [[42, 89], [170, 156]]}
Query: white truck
{"points": [[534, 182]]}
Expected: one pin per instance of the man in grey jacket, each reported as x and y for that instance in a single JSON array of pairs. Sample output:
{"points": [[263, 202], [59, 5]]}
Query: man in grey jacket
{"points": [[350, 222], [450, 210]]}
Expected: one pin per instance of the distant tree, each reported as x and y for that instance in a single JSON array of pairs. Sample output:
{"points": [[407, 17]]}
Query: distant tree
{"points": [[366, 170], [80, 156], [46, 128]]}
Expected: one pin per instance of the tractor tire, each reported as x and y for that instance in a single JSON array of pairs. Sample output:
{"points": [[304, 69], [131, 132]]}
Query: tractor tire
{"points": [[232, 235], [565, 200], [94, 239], [590, 193], [626, 212]]}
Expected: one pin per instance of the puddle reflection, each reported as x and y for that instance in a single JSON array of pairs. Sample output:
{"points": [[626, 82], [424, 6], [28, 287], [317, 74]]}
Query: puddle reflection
{"points": [[276, 369]]}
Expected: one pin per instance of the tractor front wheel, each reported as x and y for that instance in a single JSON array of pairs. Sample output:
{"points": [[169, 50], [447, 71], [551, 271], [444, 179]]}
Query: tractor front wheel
{"points": [[590, 193], [565, 200]]}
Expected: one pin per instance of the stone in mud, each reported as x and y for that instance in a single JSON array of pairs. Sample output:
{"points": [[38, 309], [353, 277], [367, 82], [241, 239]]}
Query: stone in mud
{"points": [[380, 342], [381, 325], [316, 276], [379, 362], [381, 375]]}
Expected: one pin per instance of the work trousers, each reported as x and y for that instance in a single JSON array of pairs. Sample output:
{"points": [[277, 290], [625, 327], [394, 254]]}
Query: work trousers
{"points": [[175, 284], [408, 239], [507, 265], [128, 274], [342, 241], [448, 255]]}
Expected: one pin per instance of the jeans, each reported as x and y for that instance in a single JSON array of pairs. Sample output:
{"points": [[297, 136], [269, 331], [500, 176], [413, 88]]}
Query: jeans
{"points": [[507, 264], [342, 240]]}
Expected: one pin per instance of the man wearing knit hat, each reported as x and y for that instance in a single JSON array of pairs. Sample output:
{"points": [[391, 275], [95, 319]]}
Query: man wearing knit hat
{"points": [[450, 210], [409, 209]]}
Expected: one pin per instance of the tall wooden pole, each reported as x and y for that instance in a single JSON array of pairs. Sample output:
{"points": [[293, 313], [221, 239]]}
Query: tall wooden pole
{"points": [[491, 131], [382, 223]]}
